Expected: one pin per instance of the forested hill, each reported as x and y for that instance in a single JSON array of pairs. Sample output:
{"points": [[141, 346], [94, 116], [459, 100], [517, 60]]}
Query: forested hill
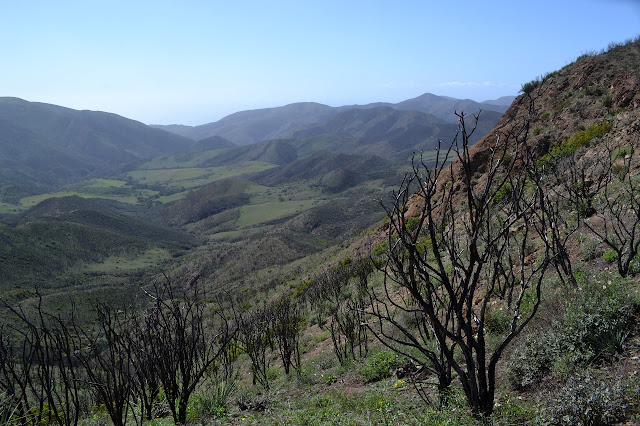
{"points": [[43, 144]]}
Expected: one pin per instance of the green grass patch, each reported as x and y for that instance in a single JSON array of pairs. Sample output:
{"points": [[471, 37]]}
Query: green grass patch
{"points": [[119, 263], [6, 208], [562, 105], [193, 177], [29, 202], [105, 183], [259, 213], [130, 196], [183, 160], [109, 189], [173, 197]]}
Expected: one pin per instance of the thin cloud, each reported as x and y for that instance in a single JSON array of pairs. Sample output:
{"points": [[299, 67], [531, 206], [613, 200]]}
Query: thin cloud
{"points": [[470, 84], [392, 85]]}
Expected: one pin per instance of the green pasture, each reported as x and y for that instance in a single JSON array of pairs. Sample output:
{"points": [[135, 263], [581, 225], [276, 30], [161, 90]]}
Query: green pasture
{"points": [[182, 160], [255, 214], [99, 184], [123, 263], [110, 189], [193, 177], [6, 208], [173, 197], [126, 195]]}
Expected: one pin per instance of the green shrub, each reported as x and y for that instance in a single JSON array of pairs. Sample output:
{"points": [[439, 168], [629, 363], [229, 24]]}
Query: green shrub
{"points": [[593, 328], [562, 105], [497, 320], [594, 91], [379, 365], [301, 288], [579, 140], [537, 130], [530, 362], [610, 256], [213, 401], [620, 152], [589, 249], [412, 223], [530, 86], [381, 249], [503, 193], [586, 401], [545, 115], [330, 379]]}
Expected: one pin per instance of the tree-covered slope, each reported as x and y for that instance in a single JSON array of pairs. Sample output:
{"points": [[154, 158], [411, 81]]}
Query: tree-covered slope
{"points": [[45, 144]]}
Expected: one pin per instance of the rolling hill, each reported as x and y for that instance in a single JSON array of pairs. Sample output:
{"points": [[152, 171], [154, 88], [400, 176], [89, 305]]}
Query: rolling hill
{"points": [[61, 237], [333, 172], [248, 127], [45, 145], [388, 132]]}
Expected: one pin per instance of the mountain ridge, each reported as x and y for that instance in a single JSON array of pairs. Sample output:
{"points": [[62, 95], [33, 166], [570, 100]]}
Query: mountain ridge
{"points": [[278, 122], [45, 144]]}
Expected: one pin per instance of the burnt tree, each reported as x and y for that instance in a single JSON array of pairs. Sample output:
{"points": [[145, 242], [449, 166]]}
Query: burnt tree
{"points": [[478, 239]]}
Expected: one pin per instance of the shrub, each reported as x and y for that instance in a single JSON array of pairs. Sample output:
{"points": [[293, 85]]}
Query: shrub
{"points": [[379, 365], [594, 91], [346, 262], [530, 86], [589, 249], [412, 223], [503, 193], [620, 152], [497, 320], [381, 249], [545, 115], [532, 361], [586, 401], [571, 145], [610, 256], [562, 105], [537, 130], [593, 328]]}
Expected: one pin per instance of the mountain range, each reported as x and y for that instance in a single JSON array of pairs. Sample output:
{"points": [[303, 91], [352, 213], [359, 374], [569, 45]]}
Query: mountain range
{"points": [[247, 127], [44, 146]]}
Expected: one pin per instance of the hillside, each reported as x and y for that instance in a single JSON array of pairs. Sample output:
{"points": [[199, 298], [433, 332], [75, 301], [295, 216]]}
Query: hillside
{"points": [[333, 171], [71, 242], [584, 114], [444, 106], [593, 90], [44, 144], [248, 127], [573, 135], [389, 132]]}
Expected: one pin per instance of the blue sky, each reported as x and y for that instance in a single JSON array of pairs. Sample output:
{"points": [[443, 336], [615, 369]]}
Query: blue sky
{"points": [[193, 62]]}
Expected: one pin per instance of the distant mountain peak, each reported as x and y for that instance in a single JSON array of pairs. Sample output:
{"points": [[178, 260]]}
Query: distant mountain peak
{"points": [[249, 127]]}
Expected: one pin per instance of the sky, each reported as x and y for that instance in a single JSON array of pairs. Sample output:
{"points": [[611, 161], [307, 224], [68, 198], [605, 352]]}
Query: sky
{"points": [[193, 62]]}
